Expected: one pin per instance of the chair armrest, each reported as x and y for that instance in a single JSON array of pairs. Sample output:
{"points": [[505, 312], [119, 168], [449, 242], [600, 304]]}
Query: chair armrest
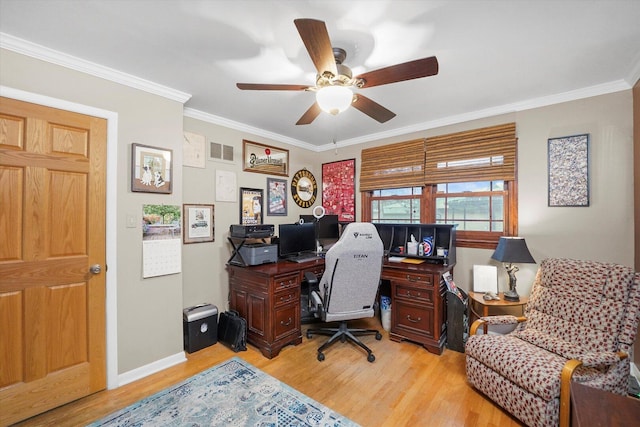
{"points": [[495, 320], [601, 358], [311, 278]]}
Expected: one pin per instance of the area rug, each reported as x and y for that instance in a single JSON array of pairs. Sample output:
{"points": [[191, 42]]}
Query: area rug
{"points": [[233, 393]]}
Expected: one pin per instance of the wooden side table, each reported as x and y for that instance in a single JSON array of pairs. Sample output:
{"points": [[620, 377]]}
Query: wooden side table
{"points": [[592, 407], [477, 298]]}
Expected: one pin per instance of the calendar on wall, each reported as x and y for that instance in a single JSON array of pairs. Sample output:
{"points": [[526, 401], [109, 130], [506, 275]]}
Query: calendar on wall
{"points": [[161, 240]]}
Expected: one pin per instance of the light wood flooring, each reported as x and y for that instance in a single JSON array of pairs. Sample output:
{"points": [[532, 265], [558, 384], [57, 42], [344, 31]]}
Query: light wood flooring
{"points": [[405, 386]]}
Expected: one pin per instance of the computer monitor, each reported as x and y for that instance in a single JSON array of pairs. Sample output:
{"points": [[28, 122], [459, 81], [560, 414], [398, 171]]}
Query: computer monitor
{"points": [[294, 239], [327, 228]]}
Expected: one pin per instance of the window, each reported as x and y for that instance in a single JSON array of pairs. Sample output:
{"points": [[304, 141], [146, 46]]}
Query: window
{"points": [[468, 178], [474, 206], [396, 205]]}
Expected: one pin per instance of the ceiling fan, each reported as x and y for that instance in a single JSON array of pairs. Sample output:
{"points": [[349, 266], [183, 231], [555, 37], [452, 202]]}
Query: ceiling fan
{"points": [[334, 79]]}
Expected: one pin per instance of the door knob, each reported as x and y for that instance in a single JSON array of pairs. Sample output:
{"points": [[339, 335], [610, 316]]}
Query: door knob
{"points": [[95, 269]]}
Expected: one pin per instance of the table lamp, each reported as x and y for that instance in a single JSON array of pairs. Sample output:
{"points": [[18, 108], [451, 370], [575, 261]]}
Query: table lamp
{"points": [[512, 250]]}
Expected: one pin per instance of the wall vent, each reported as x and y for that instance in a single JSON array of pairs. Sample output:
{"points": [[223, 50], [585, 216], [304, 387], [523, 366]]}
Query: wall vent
{"points": [[221, 152]]}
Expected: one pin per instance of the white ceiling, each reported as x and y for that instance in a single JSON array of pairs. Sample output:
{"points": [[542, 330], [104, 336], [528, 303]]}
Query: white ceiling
{"points": [[495, 56]]}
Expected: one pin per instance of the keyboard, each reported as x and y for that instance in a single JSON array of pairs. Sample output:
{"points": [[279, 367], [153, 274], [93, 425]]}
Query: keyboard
{"points": [[304, 258]]}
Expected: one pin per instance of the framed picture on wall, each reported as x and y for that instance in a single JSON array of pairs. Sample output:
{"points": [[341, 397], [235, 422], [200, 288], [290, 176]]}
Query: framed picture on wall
{"points": [[251, 206], [339, 189], [151, 169], [263, 158], [198, 223], [569, 171], [276, 197]]}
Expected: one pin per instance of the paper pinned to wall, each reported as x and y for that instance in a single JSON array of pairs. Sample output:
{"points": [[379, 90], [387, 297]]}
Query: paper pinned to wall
{"points": [[485, 278]]}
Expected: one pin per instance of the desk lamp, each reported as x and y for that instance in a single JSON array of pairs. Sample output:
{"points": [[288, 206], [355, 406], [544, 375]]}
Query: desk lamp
{"points": [[512, 250]]}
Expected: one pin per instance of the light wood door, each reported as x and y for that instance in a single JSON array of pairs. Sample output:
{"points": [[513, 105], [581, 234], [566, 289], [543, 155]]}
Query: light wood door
{"points": [[52, 228]]}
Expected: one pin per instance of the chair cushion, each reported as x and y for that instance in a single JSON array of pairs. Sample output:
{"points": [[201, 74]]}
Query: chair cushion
{"points": [[530, 367], [579, 302]]}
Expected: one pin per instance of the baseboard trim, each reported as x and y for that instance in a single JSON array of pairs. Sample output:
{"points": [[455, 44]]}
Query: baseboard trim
{"points": [[151, 368]]}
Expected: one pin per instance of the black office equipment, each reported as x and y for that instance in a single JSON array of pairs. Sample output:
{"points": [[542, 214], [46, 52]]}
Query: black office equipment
{"points": [[258, 231], [232, 330], [199, 327], [296, 240]]}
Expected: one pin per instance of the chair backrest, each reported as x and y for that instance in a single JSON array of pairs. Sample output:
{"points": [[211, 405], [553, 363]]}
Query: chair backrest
{"points": [[352, 270], [585, 305]]}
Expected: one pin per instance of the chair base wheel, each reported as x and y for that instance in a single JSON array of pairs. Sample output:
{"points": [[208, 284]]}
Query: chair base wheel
{"points": [[371, 358], [320, 357], [378, 336]]}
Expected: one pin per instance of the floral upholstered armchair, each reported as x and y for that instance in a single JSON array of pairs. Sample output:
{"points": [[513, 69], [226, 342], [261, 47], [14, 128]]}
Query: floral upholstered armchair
{"points": [[579, 325]]}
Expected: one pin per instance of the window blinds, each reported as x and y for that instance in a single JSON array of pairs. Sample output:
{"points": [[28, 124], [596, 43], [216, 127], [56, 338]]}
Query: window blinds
{"points": [[484, 154], [392, 166]]}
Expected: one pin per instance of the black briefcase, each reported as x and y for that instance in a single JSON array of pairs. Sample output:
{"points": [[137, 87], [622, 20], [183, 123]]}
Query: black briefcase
{"points": [[232, 330]]}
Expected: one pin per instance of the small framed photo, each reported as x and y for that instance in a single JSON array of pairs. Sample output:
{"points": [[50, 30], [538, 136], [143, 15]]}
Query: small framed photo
{"points": [[277, 197], [151, 169], [251, 203], [198, 223], [569, 171]]}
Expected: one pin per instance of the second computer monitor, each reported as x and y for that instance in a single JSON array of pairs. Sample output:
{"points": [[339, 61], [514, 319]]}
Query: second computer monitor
{"points": [[327, 227]]}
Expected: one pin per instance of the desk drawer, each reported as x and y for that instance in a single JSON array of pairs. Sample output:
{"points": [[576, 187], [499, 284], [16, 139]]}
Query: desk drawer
{"points": [[287, 282], [288, 296], [413, 293], [413, 319], [423, 279], [287, 320]]}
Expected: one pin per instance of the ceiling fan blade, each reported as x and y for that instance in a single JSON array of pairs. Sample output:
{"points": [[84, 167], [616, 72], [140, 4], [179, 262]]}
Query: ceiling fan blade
{"points": [[316, 39], [260, 86], [397, 73], [372, 109], [310, 115]]}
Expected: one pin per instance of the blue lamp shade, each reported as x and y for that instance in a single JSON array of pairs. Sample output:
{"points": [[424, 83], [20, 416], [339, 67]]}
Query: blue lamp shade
{"points": [[513, 250]]}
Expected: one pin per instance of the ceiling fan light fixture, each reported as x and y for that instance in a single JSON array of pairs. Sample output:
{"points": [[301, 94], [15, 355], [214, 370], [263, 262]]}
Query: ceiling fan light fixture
{"points": [[334, 99]]}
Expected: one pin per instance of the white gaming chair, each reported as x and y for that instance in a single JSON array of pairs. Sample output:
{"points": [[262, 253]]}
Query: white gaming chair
{"points": [[349, 285]]}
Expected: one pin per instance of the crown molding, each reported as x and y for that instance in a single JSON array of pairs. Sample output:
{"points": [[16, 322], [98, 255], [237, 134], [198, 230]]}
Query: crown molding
{"points": [[37, 51], [544, 101], [221, 121], [33, 50]]}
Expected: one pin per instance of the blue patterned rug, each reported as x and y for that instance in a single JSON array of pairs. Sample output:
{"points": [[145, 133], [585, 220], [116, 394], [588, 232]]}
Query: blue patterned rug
{"points": [[233, 393]]}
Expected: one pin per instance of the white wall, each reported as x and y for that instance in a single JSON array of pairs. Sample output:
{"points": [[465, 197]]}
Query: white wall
{"points": [[149, 311]]}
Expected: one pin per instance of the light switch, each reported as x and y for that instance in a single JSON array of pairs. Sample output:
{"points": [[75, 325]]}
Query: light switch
{"points": [[131, 221]]}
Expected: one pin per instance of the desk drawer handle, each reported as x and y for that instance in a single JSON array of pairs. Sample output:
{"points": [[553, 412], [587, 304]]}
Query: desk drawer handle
{"points": [[413, 320], [287, 323], [417, 295], [413, 279], [287, 298]]}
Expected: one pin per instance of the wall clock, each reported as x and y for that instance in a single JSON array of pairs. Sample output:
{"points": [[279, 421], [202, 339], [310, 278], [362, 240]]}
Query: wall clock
{"points": [[304, 188]]}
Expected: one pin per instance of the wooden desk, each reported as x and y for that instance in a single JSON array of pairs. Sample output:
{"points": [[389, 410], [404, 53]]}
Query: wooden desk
{"points": [[591, 407], [268, 297], [477, 298]]}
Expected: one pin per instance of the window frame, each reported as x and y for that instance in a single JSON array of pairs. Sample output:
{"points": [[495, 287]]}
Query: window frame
{"points": [[465, 239]]}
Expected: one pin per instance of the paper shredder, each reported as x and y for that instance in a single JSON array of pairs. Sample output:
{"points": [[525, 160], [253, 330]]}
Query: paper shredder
{"points": [[200, 327]]}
